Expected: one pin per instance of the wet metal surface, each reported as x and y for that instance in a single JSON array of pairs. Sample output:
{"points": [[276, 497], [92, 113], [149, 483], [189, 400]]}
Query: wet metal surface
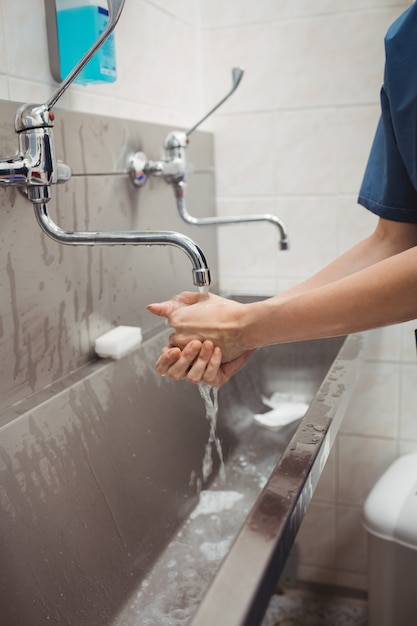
{"points": [[101, 520], [269, 531]]}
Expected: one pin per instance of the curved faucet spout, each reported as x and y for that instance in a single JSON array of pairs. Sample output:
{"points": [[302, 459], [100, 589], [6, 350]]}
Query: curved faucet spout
{"points": [[201, 271], [179, 190]]}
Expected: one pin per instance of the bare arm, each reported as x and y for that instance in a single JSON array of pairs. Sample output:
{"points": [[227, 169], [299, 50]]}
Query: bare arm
{"points": [[373, 284], [389, 238], [381, 294]]}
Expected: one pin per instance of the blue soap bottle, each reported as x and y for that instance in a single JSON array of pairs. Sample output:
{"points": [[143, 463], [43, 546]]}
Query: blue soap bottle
{"points": [[79, 25]]}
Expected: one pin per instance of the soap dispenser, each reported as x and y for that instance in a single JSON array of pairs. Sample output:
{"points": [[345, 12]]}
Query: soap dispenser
{"points": [[77, 25]]}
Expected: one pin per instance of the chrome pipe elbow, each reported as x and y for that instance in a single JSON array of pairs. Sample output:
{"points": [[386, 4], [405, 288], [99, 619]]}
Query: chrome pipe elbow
{"points": [[200, 271], [179, 190]]}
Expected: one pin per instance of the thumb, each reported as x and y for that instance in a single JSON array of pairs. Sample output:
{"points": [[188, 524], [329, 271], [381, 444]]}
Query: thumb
{"points": [[159, 308], [165, 309], [189, 297]]}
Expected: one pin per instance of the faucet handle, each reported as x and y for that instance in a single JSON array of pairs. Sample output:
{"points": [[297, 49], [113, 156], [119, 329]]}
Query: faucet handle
{"points": [[173, 167], [237, 73]]}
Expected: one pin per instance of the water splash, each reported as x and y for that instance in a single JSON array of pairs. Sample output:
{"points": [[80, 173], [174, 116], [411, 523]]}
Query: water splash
{"points": [[210, 397]]}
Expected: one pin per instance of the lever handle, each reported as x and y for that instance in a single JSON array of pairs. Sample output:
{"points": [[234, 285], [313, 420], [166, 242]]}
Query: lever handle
{"points": [[237, 73], [30, 116], [115, 8]]}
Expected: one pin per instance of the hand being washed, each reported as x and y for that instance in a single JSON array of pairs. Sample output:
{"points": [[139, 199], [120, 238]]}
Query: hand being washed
{"points": [[198, 361], [205, 345], [204, 316]]}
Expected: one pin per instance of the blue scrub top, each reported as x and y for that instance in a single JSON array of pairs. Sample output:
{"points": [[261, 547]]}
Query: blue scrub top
{"points": [[389, 187]]}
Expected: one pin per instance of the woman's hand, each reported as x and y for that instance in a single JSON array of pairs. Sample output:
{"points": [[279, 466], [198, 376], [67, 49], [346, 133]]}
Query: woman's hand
{"points": [[204, 317], [198, 361]]}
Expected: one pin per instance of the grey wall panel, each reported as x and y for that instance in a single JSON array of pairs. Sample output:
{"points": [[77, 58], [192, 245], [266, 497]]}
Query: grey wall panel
{"points": [[55, 300]]}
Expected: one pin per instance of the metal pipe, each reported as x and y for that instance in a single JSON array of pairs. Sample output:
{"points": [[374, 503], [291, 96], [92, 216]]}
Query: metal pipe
{"points": [[201, 271], [179, 189]]}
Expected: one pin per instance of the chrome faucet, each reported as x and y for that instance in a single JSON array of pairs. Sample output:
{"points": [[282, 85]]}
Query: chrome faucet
{"points": [[35, 168], [173, 169]]}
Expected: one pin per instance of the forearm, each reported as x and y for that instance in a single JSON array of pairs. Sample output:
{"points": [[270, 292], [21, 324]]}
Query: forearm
{"points": [[374, 284], [388, 239], [382, 294]]}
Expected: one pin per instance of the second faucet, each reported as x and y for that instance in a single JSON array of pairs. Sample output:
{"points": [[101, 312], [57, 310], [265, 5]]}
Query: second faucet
{"points": [[173, 168]]}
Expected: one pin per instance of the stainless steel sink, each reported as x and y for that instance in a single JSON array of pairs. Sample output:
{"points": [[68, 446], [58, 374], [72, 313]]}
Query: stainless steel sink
{"points": [[102, 522]]}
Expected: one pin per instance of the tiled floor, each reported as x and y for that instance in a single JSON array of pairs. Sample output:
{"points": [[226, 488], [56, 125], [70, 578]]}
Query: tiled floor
{"points": [[302, 608]]}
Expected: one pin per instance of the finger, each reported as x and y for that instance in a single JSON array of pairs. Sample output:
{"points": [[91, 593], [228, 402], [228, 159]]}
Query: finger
{"points": [[165, 309], [182, 340], [212, 374], [198, 367], [168, 357], [189, 297], [218, 373], [230, 368], [187, 356]]}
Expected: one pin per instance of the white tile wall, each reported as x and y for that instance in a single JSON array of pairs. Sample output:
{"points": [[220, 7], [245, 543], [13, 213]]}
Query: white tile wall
{"points": [[304, 61], [157, 58], [307, 106], [293, 140]]}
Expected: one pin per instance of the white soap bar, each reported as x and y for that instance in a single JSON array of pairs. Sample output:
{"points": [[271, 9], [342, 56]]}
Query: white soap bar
{"points": [[118, 342]]}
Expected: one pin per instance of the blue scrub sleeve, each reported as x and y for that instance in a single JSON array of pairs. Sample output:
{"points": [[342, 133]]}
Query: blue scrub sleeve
{"points": [[389, 187]]}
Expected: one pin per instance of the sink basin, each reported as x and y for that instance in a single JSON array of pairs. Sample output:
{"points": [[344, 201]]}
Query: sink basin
{"points": [[105, 516]]}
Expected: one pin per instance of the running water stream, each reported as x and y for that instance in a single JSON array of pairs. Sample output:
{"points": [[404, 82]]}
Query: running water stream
{"points": [[210, 397]]}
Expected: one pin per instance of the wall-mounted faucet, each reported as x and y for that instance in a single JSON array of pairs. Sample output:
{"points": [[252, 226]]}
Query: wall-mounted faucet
{"points": [[173, 170], [35, 168]]}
